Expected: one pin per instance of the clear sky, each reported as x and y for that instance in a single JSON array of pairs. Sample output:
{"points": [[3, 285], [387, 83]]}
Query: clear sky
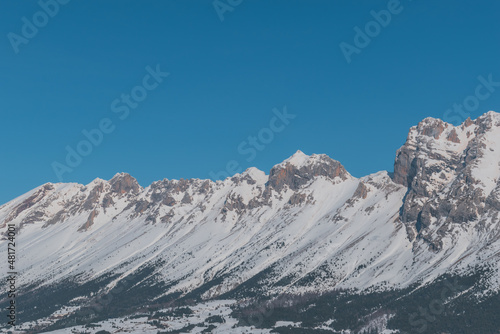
{"points": [[353, 92]]}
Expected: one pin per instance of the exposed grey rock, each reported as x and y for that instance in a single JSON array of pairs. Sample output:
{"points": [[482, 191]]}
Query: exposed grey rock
{"points": [[124, 183], [36, 197], [430, 205], [297, 199], [187, 199], [94, 197], [89, 222], [294, 177]]}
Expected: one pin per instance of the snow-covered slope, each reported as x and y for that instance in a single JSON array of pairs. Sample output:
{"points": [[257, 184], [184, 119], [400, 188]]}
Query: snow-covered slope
{"points": [[307, 226]]}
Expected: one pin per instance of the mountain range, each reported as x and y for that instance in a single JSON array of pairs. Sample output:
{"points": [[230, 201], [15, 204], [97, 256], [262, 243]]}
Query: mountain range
{"points": [[306, 248]]}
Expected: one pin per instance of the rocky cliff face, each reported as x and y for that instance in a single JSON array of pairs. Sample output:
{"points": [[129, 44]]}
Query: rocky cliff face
{"points": [[452, 175]]}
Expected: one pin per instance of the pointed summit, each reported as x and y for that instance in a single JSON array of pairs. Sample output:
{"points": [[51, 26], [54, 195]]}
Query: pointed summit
{"points": [[123, 183], [298, 159], [254, 173], [299, 153], [301, 168]]}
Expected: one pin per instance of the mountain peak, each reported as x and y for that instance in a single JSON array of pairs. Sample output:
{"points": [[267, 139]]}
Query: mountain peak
{"points": [[492, 113], [490, 116], [124, 183], [120, 175], [431, 127], [301, 168], [254, 173], [298, 159]]}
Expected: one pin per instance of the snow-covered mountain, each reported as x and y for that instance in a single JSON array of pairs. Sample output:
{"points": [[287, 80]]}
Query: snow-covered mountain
{"points": [[309, 227]]}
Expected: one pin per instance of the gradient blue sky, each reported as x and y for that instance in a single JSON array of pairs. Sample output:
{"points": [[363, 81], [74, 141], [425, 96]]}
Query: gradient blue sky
{"points": [[225, 79]]}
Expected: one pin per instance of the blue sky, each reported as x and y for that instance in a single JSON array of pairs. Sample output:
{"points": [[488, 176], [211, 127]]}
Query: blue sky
{"points": [[225, 79]]}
